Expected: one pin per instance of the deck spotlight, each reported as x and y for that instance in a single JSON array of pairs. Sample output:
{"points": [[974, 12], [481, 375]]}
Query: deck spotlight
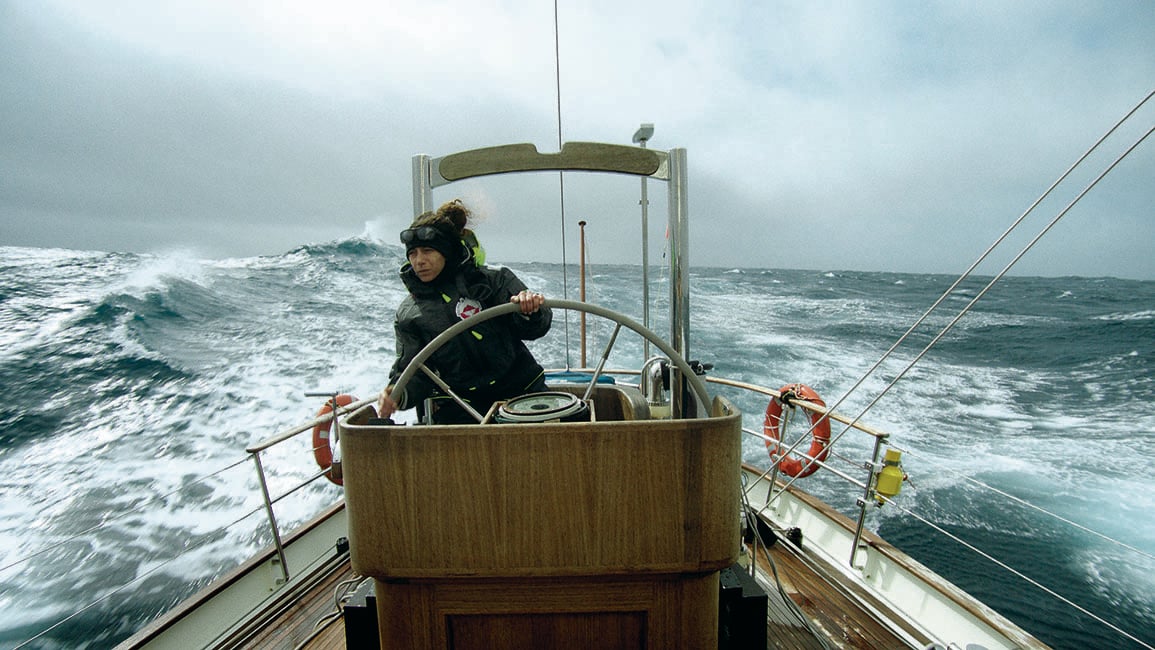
{"points": [[643, 134]]}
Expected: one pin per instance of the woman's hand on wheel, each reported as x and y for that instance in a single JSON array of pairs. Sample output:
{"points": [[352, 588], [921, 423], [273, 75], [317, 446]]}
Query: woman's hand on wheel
{"points": [[529, 301]]}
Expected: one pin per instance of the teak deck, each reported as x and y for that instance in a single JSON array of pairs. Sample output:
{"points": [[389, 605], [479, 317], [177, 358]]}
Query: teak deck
{"points": [[839, 619]]}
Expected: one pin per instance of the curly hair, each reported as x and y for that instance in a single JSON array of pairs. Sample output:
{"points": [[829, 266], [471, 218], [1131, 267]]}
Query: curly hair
{"points": [[456, 213], [453, 214]]}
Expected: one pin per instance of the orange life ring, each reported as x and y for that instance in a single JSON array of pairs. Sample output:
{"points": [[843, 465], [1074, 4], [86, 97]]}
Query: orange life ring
{"points": [[322, 451], [819, 430]]}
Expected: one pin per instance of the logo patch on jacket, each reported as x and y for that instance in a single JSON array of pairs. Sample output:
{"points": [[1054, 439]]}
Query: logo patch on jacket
{"points": [[467, 307]]}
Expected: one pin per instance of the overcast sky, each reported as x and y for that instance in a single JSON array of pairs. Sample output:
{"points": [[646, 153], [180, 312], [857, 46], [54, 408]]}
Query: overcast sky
{"points": [[897, 136]]}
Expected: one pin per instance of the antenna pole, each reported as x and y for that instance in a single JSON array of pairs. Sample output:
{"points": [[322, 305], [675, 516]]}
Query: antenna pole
{"points": [[641, 136]]}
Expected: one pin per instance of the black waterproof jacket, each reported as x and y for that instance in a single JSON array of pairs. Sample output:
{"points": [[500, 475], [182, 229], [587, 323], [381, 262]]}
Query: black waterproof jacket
{"points": [[483, 364]]}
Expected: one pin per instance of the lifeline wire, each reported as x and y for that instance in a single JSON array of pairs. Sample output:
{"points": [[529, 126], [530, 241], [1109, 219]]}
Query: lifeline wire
{"points": [[112, 519], [140, 577], [1028, 504], [1023, 576]]}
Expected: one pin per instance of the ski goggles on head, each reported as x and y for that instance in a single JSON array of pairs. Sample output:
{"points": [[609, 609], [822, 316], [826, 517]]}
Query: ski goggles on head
{"points": [[421, 234]]}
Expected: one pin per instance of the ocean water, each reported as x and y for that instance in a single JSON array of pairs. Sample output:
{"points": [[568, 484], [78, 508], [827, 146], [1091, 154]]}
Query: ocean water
{"points": [[133, 383]]}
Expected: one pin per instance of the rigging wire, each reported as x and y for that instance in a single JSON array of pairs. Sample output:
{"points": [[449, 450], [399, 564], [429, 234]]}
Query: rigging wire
{"points": [[561, 179], [998, 241], [966, 309]]}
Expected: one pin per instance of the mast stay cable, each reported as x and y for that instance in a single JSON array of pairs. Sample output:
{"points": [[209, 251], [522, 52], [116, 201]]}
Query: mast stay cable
{"points": [[561, 179], [998, 241], [965, 310]]}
